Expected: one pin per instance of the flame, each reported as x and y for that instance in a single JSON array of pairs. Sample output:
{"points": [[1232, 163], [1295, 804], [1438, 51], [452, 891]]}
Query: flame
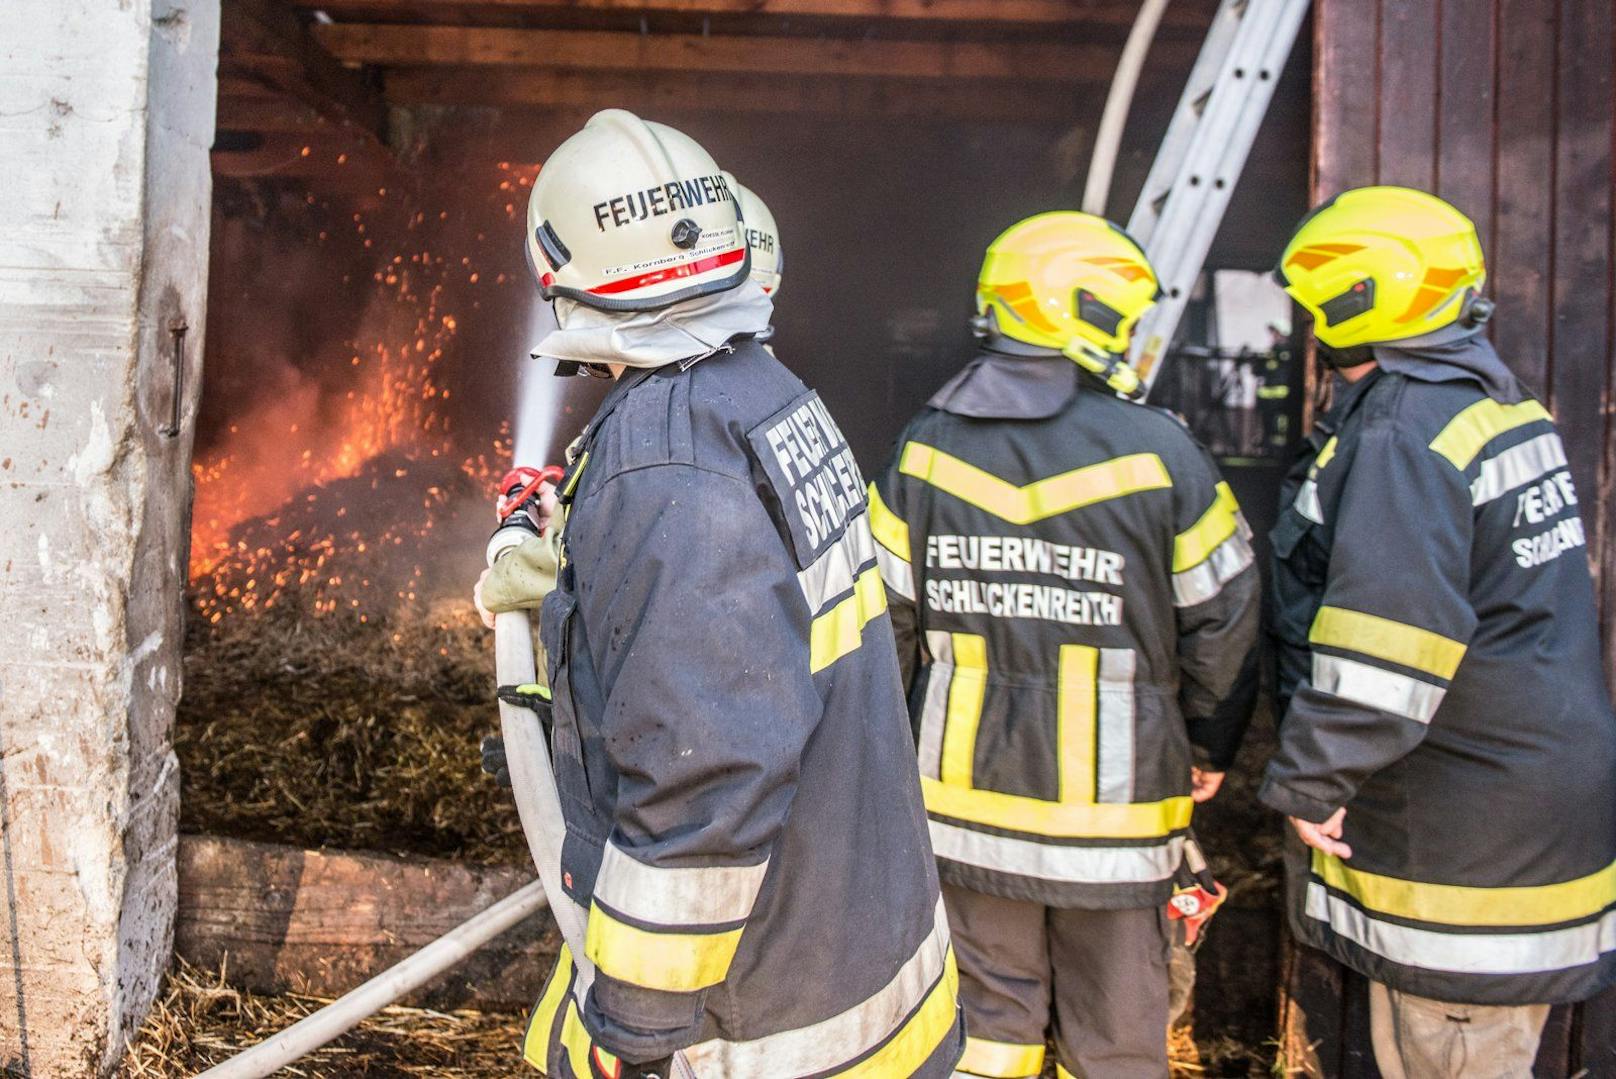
{"points": [[266, 520]]}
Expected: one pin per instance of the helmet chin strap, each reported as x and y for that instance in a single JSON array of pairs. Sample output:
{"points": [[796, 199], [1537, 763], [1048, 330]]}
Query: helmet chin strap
{"points": [[1110, 368]]}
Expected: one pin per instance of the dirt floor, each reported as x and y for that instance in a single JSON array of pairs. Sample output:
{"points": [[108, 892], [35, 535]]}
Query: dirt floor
{"points": [[332, 730]]}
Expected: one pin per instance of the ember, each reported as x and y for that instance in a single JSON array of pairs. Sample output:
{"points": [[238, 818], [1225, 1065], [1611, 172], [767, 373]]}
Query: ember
{"points": [[345, 457]]}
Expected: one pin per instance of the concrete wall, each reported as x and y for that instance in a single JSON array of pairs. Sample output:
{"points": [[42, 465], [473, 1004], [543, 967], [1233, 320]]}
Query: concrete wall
{"points": [[106, 116]]}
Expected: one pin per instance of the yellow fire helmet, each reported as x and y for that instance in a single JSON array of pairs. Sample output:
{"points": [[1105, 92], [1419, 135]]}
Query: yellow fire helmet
{"points": [[762, 237], [1381, 264], [629, 215], [1072, 282]]}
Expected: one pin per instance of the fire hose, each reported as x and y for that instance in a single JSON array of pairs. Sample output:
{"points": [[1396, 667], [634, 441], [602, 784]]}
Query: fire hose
{"points": [[538, 805]]}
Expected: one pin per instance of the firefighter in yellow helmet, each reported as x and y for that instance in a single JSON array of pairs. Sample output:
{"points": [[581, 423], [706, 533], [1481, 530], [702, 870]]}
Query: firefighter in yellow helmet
{"points": [[745, 834], [1447, 752], [1073, 595]]}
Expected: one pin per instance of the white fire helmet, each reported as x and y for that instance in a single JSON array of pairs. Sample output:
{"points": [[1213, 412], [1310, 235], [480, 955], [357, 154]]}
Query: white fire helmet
{"points": [[762, 237], [629, 215]]}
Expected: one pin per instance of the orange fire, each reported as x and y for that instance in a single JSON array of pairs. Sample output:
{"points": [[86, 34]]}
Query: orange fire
{"points": [[293, 442]]}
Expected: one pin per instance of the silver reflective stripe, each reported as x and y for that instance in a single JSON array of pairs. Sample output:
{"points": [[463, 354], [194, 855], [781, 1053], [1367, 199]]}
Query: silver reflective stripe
{"points": [[685, 897], [934, 710], [1375, 687], [1307, 502], [1464, 953], [833, 572], [1200, 583], [1115, 769], [1517, 466], [582, 965], [1048, 861], [898, 575], [832, 1043]]}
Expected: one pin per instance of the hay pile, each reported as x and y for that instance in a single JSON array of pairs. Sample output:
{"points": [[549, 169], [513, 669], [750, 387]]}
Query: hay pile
{"points": [[199, 1020], [325, 730]]}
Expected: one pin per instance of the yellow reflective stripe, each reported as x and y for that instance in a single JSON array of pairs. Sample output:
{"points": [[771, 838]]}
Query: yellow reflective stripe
{"points": [[1196, 544], [1326, 455], [1453, 904], [576, 1041], [966, 689], [1386, 639], [1074, 820], [1062, 1073], [891, 531], [674, 962], [840, 630], [1465, 435], [1041, 499], [1076, 699], [918, 1039], [1001, 1060], [577, 474], [536, 1045]]}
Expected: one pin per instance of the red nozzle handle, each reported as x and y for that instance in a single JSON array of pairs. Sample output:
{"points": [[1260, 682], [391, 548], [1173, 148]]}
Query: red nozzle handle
{"points": [[522, 483]]}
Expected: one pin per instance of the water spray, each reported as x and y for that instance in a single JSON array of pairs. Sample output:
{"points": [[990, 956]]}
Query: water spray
{"points": [[538, 399]]}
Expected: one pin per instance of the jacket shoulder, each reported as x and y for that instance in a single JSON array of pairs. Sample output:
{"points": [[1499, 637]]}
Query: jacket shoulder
{"points": [[698, 417], [1455, 419], [1161, 431]]}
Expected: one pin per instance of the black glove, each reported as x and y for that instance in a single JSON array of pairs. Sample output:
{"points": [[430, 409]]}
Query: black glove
{"points": [[494, 762], [531, 695]]}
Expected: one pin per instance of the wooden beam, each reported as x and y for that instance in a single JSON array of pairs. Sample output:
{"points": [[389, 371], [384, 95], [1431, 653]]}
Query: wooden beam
{"points": [[264, 41], [255, 112], [281, 918], [605, 50], [666, 92], [1089, 12]]}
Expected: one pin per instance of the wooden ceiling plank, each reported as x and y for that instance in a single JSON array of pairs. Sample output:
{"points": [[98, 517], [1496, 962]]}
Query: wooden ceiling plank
{"points": [[397, 45], [663, 92], [268, 41], [1092, 12]]}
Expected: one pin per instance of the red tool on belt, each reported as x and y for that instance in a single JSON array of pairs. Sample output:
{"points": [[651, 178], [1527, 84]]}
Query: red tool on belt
{"points": [[1196, 895], [519, 490]]}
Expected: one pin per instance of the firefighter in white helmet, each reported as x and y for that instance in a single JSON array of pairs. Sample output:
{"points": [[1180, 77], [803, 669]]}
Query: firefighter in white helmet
{"points": [[762, 237], [525, 575], [745, 831]]}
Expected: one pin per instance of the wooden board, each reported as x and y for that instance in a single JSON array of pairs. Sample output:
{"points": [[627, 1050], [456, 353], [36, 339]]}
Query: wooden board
{"points": [[322, 922], [969, 12], [1512, 123], [604, 50]]}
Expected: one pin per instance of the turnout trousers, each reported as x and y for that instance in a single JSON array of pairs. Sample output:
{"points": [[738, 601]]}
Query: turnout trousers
{"points": [[1419, 1038], [1099, 978]]}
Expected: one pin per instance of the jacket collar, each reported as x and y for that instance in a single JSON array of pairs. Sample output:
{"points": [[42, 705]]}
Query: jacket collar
{"points": [[1471, 358], [1000, 386]]}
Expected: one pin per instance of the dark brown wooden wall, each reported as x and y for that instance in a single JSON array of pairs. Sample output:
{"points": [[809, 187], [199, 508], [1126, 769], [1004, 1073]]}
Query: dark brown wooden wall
{"points": [[1503, 107]]}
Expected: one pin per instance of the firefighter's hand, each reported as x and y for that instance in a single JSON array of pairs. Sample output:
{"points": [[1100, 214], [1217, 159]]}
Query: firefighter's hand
{"points": [[548, 504], [477, 597], [1325, 837], [494, 761], [1204, 785]]}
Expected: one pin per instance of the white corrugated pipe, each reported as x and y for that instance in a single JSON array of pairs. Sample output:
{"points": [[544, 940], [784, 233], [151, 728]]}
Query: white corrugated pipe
{"points": [[1108, 140]]}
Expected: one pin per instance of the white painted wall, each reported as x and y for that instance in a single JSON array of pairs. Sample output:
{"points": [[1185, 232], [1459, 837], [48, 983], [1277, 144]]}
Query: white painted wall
{"points": [[106, 115]]}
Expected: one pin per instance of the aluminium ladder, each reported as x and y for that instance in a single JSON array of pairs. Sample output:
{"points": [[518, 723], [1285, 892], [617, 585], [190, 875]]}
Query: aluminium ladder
{"points": [[1188, 189]]}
